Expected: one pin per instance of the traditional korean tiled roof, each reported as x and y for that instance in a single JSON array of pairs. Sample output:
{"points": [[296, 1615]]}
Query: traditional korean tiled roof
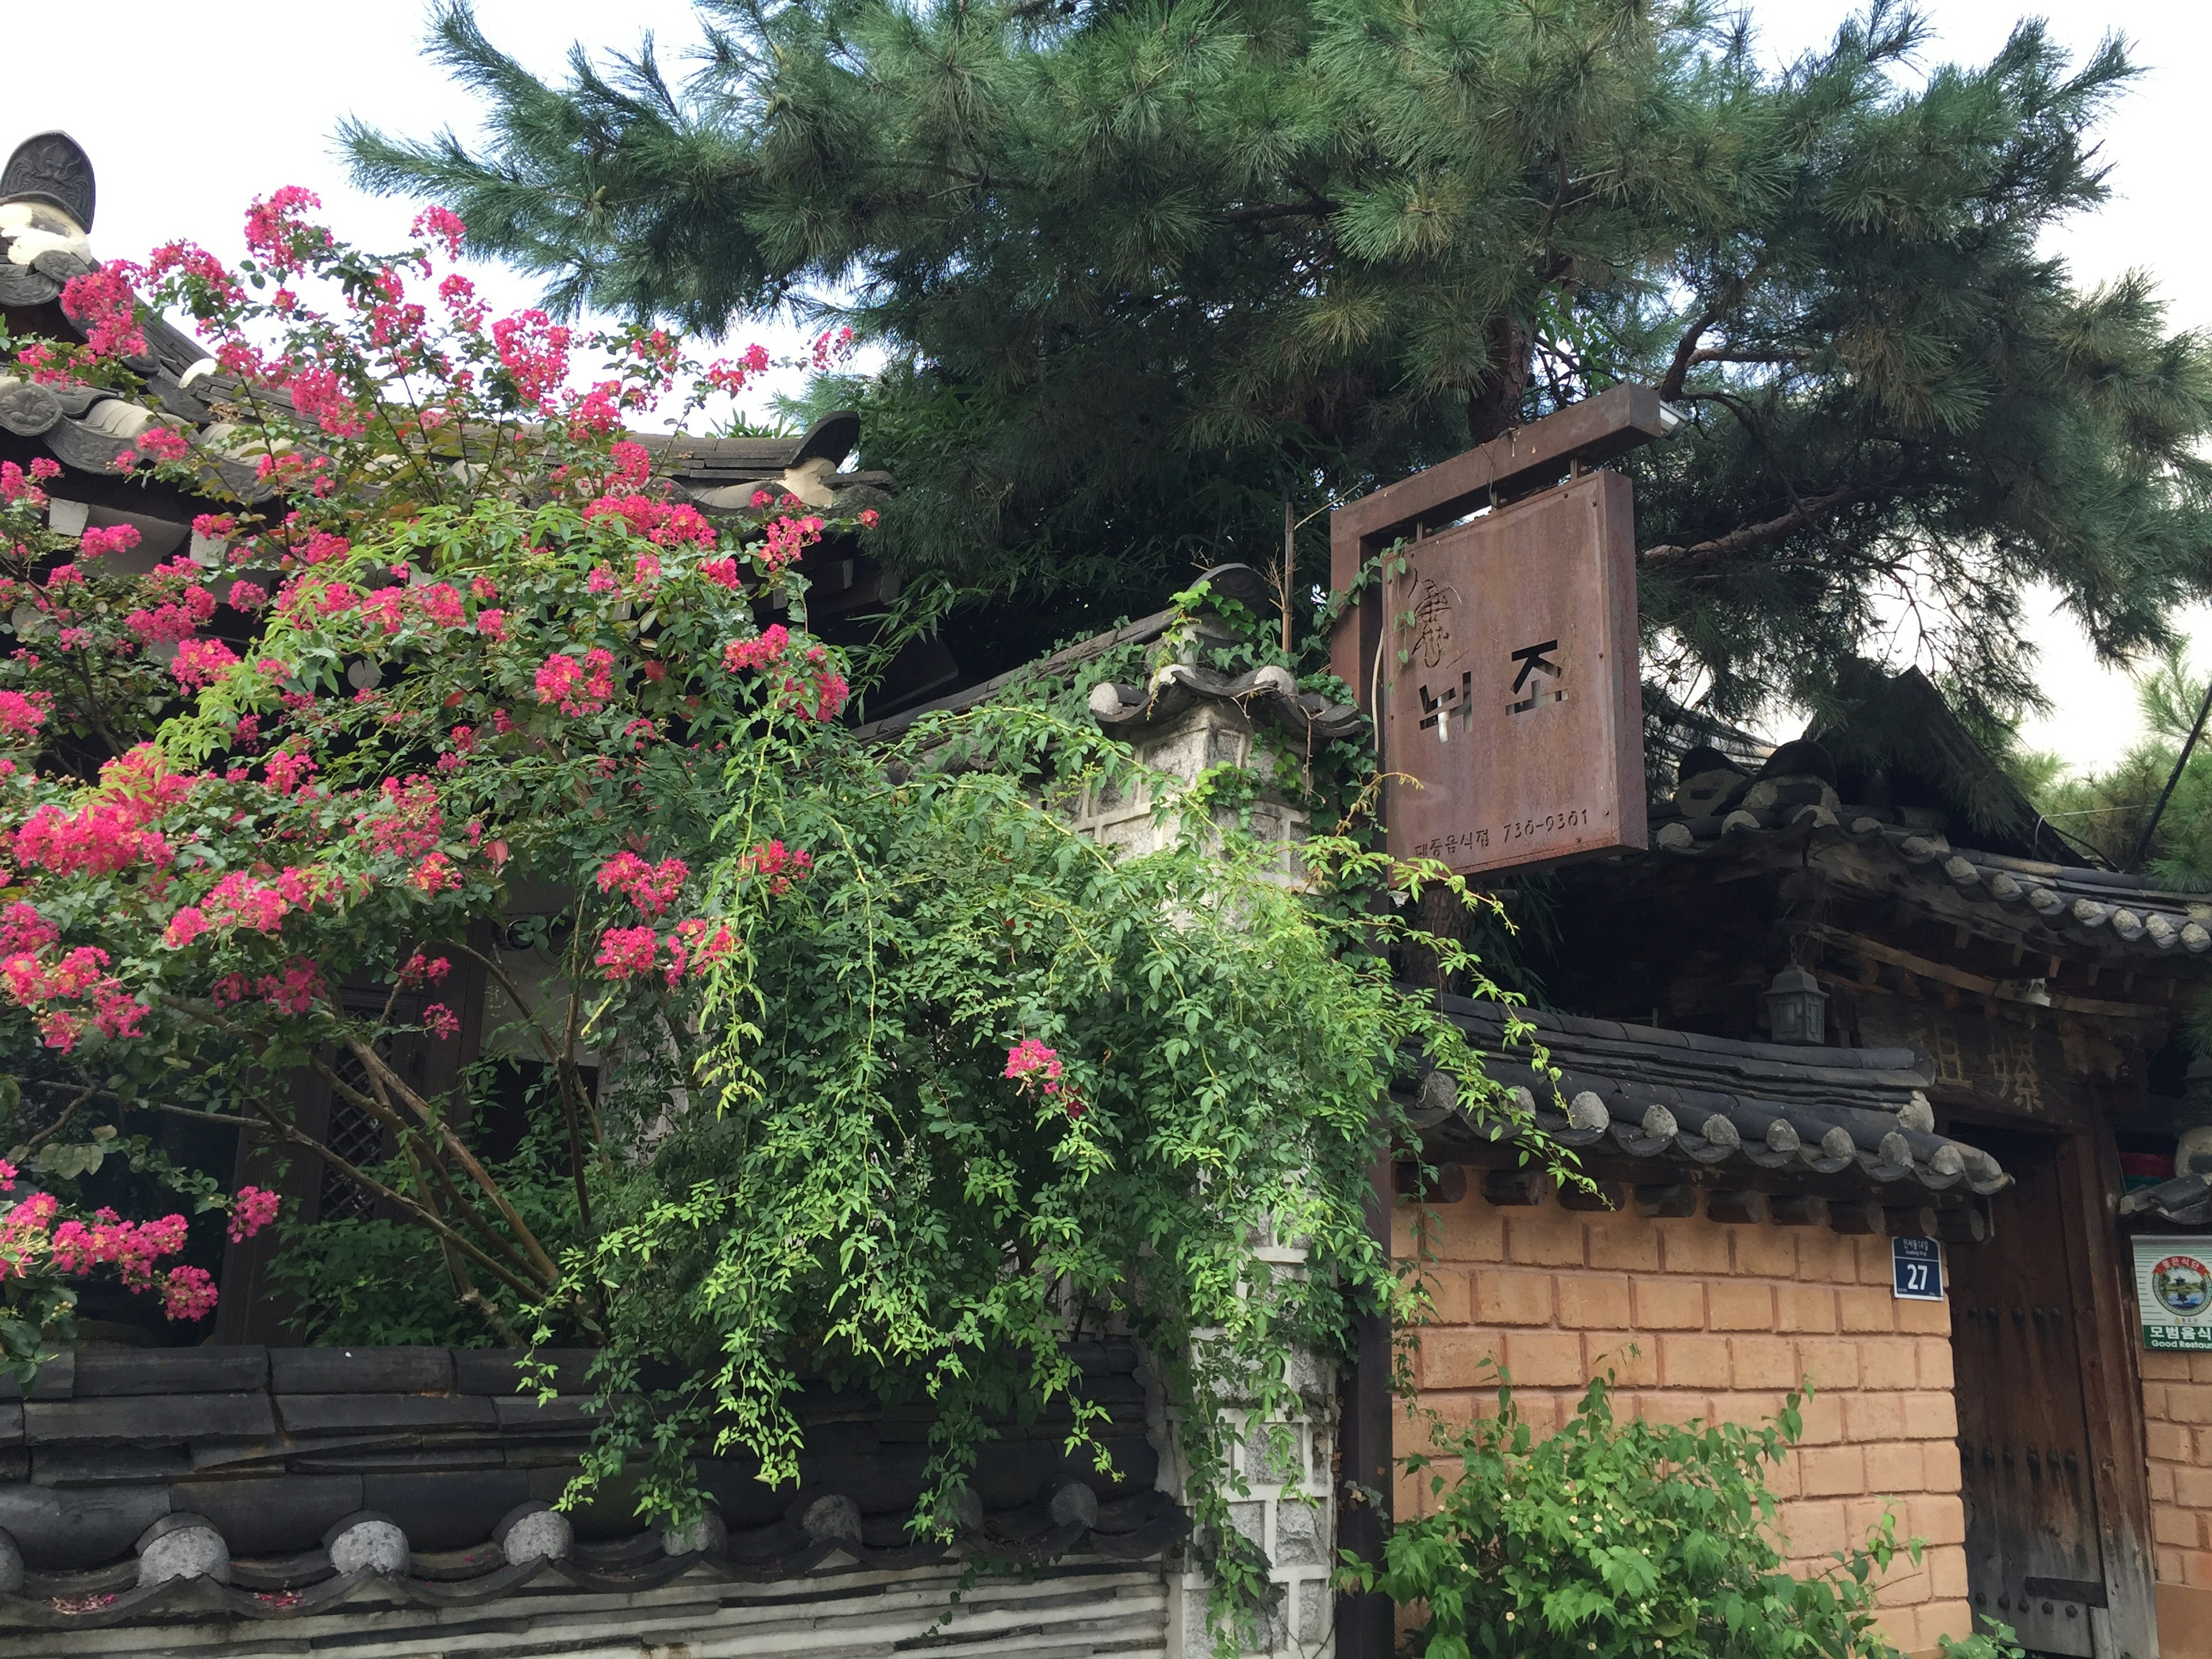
{"points": [[1786, 816], [276, 1484], [1815, 1119], [1172, 688], [2185, 1200]]}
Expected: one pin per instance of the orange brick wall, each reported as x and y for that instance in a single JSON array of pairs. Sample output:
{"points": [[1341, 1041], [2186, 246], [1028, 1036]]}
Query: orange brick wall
{"points": [[2178, 1424], [1727, 1318]]}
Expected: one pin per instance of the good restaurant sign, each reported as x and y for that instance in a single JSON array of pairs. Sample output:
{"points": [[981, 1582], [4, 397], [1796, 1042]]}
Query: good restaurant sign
{"points": [[1511, 710]]}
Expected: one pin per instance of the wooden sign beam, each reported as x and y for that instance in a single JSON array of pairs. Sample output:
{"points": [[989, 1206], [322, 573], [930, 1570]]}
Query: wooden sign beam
{"points": [[1529, 458]]}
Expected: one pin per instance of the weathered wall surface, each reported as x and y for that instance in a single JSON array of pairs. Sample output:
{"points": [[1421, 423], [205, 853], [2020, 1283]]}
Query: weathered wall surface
{"points": [[1727, 1319], [2178, 1426]]}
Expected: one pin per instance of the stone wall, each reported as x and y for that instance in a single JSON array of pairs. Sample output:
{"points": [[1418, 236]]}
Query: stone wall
{"points": [[2178, 1426], [1726, 1320]]}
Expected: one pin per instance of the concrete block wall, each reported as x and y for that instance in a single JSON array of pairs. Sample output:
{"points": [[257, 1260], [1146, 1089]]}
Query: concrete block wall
{"points": [[1726, 1319], [2177, 1428]]}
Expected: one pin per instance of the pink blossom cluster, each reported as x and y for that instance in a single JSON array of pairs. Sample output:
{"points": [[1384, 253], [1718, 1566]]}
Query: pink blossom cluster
{"points": [[202, 662], [814, 690], [251, 1208], [419, 970], [579, 685], [107, 538], [154, 445], [724, 375], [442, 223], [434, 875], [534, 350], [15, 486], [777, 865], [110, 831], [667, 525], [102, 303], [36, 983], [320, 393], [243, 900], [1030, 1064], [651, 887], [209, 284], [23, 929], [833, 346], [441, 1022], [105, 835], [278, 234], [693, 946], [108, 1241], [293, 991], [759, 651], [23, 713], [188, 1293], [787, 538], [35, 1237], [411, 820]]}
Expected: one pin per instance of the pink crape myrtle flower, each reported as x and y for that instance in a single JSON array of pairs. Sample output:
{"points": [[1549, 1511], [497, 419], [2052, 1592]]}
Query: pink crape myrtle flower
{"points": [[651, 887], [443, 225], [625, 951], [23, 713], [188, 1293], [251, 1210], [777, 865], [1030, 1064], [202, 662]]}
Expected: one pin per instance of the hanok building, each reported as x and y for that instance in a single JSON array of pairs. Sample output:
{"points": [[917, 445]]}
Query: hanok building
{"points": [[1804, 1044], [1854, 1029]]}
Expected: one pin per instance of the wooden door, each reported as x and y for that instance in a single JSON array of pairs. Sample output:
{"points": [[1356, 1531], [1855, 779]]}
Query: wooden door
{"points": [[2026, 1462]]}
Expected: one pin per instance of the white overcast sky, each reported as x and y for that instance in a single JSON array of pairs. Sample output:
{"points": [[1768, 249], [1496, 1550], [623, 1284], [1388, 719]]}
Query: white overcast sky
{"points": [[218, 101]]}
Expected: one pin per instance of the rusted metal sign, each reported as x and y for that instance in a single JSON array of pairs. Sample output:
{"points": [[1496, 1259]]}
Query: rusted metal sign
{"points": [[1512, 708]]}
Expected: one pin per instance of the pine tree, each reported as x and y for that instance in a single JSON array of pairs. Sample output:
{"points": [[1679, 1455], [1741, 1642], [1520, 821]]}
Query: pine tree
{"points": [[1146, 270]]}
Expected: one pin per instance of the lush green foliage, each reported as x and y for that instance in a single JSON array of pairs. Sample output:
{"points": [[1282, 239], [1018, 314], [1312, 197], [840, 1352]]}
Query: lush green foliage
{"points": [[848, 1062], [1625, 1541], [1145, 271]]}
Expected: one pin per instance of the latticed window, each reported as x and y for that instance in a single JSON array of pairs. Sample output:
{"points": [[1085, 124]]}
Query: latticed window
{"points": [[354, 1136]]}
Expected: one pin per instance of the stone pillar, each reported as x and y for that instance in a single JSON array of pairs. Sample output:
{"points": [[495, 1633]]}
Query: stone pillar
{"points": [[1287, 1506]]}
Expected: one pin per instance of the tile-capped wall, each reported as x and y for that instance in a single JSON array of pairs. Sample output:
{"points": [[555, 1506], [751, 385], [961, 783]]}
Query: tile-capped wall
{"points": [[1723, 1320]]}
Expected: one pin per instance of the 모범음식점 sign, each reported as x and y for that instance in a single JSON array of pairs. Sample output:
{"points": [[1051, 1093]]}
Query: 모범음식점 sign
{"points": [[2173, 1292]]}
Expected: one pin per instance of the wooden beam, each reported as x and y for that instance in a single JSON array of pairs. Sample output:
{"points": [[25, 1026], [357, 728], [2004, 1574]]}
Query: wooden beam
{"points": [[1666, 1203], [1606, 1196], [1912, 1221], [1860, 1218], [1962, 1226], [1737, 1208], [1514, 1188], [1532, 457], [1801, 1210]]}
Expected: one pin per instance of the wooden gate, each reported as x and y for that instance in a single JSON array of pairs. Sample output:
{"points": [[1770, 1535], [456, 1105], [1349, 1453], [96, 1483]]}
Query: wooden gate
{"points": [[2032, 1557], [2050, 1430]]}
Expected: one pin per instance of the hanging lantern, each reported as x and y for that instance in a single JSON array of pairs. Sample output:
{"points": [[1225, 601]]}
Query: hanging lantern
{"points": [[1797, 1008]]}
